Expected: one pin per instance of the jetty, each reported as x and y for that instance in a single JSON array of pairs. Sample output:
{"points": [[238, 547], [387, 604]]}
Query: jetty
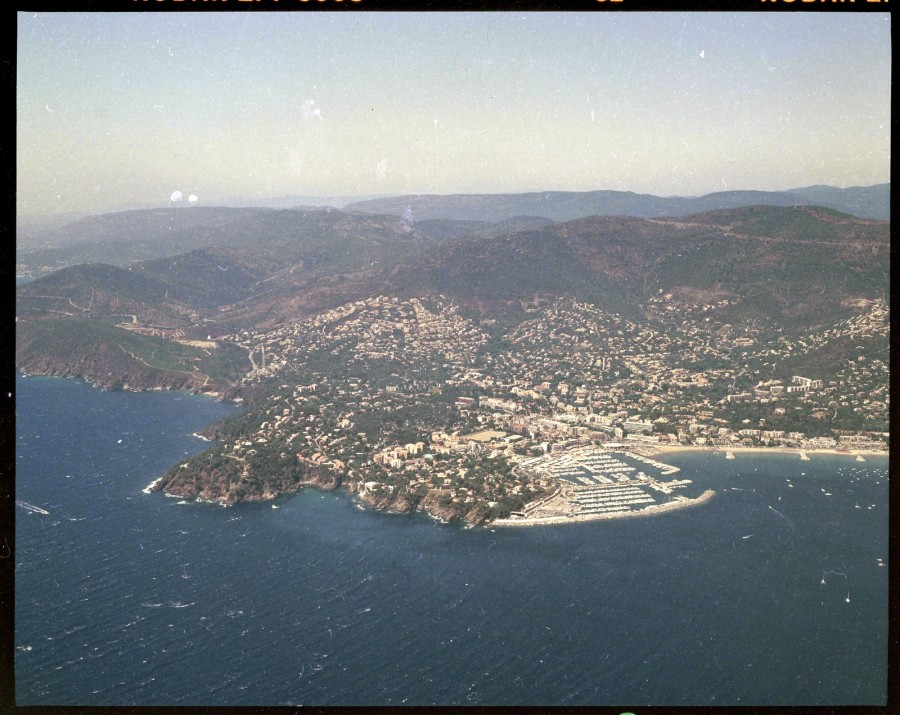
{"points": [[652, 510]]}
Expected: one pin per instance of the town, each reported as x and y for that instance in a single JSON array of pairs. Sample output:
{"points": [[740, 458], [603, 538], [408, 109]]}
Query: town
{"points": [[413, 404]]}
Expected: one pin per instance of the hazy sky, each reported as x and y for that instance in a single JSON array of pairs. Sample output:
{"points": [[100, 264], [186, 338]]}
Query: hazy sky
{"points": [[117, 108]]}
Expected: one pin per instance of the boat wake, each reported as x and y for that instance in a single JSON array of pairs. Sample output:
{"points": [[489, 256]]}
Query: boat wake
{"points": [[790, 523], [31, 507]]}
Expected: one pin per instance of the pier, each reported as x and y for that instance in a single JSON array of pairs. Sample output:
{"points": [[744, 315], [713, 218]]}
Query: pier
{"points": [[679, 503]]}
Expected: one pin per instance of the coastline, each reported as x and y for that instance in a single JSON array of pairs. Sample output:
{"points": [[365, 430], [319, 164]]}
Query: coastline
{"points": [[125, 387], [660, 450], [643, 450]]}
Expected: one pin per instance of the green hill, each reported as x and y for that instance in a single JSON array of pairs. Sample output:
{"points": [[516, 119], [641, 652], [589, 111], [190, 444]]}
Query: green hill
{"points": [[111, 357]]}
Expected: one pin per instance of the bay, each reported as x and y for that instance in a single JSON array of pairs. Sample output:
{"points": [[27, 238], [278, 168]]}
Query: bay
{"points": [[128, 598]]}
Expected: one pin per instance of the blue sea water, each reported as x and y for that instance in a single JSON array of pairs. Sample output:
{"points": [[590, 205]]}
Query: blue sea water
{"points": [[127, 598]]}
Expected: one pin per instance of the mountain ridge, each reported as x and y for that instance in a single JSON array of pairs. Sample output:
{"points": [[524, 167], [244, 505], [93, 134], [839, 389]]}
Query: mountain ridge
{"points": [[809, 261], [871, 202]]}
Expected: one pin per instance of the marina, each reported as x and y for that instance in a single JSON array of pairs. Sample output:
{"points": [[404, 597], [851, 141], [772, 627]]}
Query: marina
{"points": [[601, 483]]}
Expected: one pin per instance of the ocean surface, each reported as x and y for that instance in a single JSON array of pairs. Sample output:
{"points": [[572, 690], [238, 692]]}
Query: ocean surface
{"points": [[773, 593]]}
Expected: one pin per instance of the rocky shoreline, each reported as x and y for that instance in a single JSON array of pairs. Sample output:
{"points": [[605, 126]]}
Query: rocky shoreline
{"points": [[382, 500], [405, 503], [230, 494], [113, 382]]}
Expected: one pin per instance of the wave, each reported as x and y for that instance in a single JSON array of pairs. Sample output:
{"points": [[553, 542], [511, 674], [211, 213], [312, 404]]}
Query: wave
{"points": [[149, 488]]}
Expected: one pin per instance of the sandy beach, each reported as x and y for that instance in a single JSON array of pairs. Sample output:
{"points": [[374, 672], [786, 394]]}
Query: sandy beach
{"points": [[657, 451]]}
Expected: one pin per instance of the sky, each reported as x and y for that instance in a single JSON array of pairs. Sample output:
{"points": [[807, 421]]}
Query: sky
{"points": [[115, 109]]}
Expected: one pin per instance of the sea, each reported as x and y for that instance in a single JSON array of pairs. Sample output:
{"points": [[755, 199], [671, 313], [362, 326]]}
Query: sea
{"points": [[773, 593]]}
